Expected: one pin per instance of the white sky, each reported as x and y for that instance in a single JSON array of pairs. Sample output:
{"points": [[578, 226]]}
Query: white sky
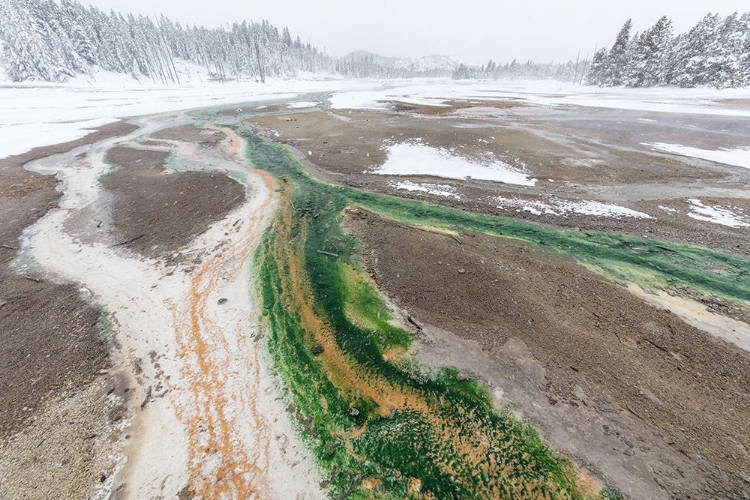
{"points": [[471, 30]]}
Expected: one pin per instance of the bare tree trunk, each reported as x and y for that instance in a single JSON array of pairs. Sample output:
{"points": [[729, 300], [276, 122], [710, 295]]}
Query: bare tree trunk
{"points": [[261, 70], [584, 68], [169, 56]]}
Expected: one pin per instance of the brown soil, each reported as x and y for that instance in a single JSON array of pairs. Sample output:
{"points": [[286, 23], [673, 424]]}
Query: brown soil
{"points": [[686, 391], [664, 225], [64, 449], [574, 155], [341, 140], [55, 395], [156, 212], [50, 336]]}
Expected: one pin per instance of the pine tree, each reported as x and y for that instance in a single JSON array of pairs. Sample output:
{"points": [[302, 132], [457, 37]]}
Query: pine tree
{"points": [[597, 72], [617, 59], [651, 58], [714, 52]]}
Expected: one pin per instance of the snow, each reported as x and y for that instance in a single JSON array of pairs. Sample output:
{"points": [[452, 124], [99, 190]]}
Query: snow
{"points": [[667, 209], [303, 104], [435, 91], [34, 115], [562, 207], [428, 63], [378, 99], [436, 189], [416, 158], [434, 62], [717, 215], [18, 138], [739, 157]]}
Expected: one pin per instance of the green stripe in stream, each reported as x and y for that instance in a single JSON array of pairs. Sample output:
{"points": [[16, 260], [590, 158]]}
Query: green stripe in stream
{"points": [[461, 447]]}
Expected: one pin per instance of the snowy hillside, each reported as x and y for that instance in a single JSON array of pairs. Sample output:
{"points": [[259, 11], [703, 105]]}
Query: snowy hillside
{"points": [[42, 40], [418, 64]]}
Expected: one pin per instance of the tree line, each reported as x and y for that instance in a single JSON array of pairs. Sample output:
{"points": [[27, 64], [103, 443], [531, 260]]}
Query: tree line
{"points": [[568, 72], [42, 40], [54, 40], [715, 52]]}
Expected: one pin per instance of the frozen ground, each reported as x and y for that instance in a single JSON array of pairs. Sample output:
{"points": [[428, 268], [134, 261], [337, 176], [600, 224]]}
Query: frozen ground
{"points": [[436, 189], [563, 207], [718, 215], [737, 157], [33, 115], [40, 115], [436, 92]]}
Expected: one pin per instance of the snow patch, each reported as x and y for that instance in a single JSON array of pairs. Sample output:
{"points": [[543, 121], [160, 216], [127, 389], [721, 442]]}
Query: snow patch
{"points": [[303, 104], [380, 99], [564, 207], [700, 100], [436, 189], [667, 209], [739, 157], [21, 137], [718, 215], [415, 158], [35, 115]]}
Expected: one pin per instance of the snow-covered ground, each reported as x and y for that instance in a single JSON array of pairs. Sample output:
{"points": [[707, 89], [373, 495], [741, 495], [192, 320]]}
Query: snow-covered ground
{"points": [[436, 189], [33, 115], [416, 158], [563, 207], [40, 115], [436, 92], [718, 214], [303, 104], [738, 157]]}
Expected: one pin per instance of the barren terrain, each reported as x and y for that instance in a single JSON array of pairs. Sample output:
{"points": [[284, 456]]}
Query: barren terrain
{"points": [[629, 395], [137, 354], [574, 153], [653, 405]]}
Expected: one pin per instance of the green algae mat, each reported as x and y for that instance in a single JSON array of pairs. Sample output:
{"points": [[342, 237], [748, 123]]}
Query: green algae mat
{"points": [[379, 424]]}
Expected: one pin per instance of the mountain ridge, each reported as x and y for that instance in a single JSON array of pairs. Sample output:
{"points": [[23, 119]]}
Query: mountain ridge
{"points": [[434, 62]]}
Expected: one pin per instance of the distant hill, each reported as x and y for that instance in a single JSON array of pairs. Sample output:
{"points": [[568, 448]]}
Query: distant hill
{"points": [[425, 64]]}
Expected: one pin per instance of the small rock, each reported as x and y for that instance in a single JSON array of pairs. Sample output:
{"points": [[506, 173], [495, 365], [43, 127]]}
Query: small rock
{"points": [[222, 301], [462, 271], [461, 377], [354, 412]]}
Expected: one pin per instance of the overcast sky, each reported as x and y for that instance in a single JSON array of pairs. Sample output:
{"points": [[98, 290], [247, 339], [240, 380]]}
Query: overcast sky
{"points": [[471, 30]]}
